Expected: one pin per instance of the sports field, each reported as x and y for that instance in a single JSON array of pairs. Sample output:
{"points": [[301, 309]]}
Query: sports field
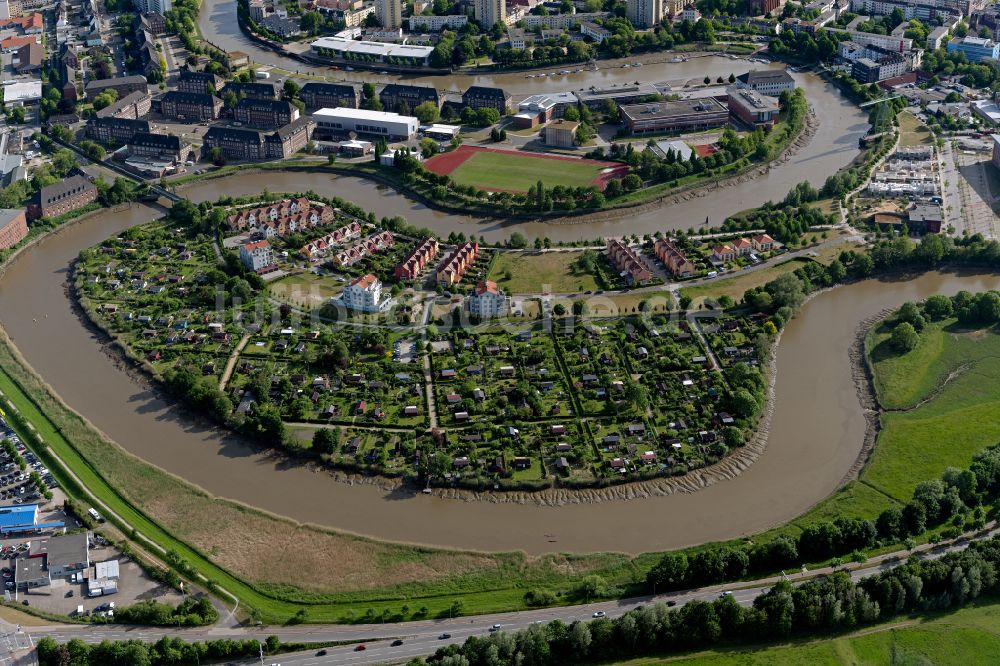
{"points": [[510, 171]]}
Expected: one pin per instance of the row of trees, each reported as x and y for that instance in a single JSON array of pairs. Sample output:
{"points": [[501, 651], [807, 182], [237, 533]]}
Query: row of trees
{"points": [[831, 603], [165, 651]]}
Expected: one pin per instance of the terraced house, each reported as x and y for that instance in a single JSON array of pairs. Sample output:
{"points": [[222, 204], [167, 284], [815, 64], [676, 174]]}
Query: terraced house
{"points": [[320, 246], [633, 268], [456, 264], [375, 243], [415, 262], [265, 113], [674, 260], [282, 217]]}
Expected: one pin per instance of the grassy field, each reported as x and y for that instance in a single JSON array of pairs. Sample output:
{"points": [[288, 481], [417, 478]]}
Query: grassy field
{"points": [[969, 636], [912, 132], [496, 170], [306, 290], [736, 286], [532, 273], [948, 388]]}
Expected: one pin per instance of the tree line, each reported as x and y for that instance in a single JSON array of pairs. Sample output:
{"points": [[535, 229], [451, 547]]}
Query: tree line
{"points": [[829, 603]]}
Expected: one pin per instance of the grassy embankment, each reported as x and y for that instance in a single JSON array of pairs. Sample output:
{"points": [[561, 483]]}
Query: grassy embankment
{"points": [[969, 636]]}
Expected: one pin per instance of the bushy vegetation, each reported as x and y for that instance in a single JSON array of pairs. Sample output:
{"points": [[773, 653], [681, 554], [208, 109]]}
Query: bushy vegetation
{"points": [[137, 653], [189, 613]]}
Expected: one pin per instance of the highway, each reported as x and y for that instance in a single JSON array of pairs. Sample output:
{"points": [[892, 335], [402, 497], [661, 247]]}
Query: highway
{"points": [[423, 637]]}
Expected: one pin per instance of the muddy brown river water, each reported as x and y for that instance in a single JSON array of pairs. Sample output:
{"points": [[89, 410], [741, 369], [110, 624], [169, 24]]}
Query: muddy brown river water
{"points": [[816, 432]]}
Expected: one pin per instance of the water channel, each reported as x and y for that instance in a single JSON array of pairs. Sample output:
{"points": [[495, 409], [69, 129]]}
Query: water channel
{"points": [[816, 432], [817, 427]]}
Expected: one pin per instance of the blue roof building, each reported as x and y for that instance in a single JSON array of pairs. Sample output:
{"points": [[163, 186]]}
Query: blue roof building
{"points": [[976, 49], [18, 517]]}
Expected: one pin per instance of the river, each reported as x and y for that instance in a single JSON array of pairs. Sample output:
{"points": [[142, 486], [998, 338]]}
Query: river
{"points": [[816, 432]]}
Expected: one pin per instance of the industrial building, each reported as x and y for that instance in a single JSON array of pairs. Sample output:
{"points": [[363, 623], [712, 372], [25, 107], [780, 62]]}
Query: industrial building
{"points": [[686, 115], [13, 229], [341, 47], [334, 123]]}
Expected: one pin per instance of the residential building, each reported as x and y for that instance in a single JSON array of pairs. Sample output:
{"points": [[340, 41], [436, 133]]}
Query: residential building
{"points": [[976, 49], [364, 294], [924, 218], [632, 267], [289, 216], [486, 97], [565, 21], [191, 81], [868, 70], [389, 13], [673, 259], [415, 261], [561, 134], [378, 242], [257, 256], [114, 131], [723, 253], [133, 106], [684, 115], [771, 82], [403, 98], [762, 243], [188, 106], [752, 108], [63, 197], [320, 246], [281, 25], [644, 13], [453, 268], [517, 39], [160, 146], [690, 13], [888, 42], [123, 85], [419, 23], [935, 39], [594, 31], [254, 146], [13, 227], [252, 90], [153, 22], [487, 301], [490, 12], [28, 58], [342, 121], [265, 113], [330, 95]]}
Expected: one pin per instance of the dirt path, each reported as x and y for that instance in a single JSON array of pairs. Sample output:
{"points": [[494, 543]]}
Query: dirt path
{"points": [[231, 363]]}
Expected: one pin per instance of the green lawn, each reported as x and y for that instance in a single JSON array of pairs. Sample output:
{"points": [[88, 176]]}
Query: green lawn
{"points": [[531, 273], [912, 132], [736, 286], [955, 371], [496, 170], [969, 637]]}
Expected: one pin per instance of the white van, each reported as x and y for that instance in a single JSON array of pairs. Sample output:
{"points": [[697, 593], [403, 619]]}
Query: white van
{"points": [[713, 274]]}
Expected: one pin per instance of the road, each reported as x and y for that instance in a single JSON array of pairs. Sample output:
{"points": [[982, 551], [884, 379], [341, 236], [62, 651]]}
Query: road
{"points": [[424, 637]]}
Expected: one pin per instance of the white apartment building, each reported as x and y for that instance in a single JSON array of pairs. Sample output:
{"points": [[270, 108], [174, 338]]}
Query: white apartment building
{"points": [[437, 23], [488, 301], [257, 256], [364, 294]]}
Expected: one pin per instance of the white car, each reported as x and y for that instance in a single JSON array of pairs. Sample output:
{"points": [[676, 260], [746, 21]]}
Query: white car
{"points": [[496, 627], [599, 614]]}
